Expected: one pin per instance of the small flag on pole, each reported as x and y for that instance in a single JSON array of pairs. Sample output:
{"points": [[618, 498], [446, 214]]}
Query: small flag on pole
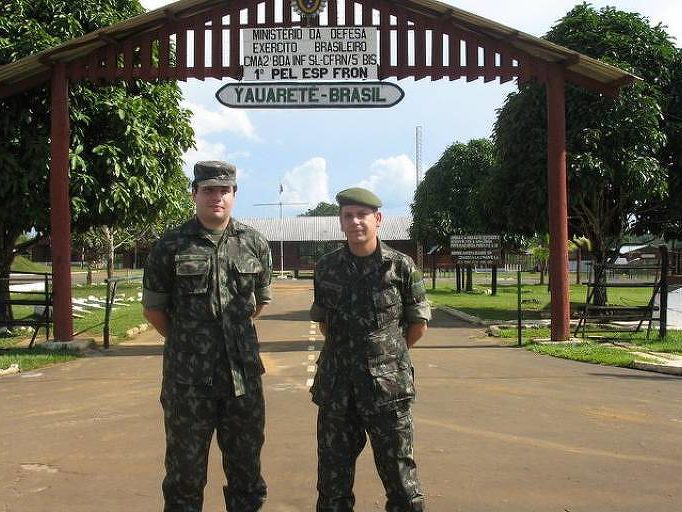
{"points": [[281, 188]]}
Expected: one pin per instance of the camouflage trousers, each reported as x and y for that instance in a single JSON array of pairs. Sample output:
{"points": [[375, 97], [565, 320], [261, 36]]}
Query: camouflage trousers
{"points": [[341, 436], [239, 424]]}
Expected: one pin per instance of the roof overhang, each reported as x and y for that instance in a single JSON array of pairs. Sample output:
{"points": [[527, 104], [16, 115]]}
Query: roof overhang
{"points": [[580, 69]]}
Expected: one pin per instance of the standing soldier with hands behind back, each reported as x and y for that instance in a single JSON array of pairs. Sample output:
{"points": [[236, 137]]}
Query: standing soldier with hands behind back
{"points": [[370, 303], [204, 282]]}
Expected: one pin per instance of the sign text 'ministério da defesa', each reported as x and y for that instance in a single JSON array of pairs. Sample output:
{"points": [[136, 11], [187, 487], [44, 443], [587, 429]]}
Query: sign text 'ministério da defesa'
{"points": [[317, 53]]}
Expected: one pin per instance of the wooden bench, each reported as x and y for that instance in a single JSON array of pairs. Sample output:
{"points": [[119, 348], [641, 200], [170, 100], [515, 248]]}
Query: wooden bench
{"points": [[42, 298], [604, 314]]}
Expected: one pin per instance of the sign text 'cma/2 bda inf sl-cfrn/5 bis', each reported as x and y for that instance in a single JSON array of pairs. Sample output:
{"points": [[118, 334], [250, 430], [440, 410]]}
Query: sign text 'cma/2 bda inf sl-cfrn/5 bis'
{"points": [[310, 94], [311, 53]]}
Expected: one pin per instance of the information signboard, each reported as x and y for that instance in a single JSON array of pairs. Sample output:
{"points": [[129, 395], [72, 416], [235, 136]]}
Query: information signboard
{"points": [[310, 94], [310, 53], [476, 249]]}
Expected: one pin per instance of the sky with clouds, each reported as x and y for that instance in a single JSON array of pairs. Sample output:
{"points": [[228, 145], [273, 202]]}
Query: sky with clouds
{"points": [[313, 154]]}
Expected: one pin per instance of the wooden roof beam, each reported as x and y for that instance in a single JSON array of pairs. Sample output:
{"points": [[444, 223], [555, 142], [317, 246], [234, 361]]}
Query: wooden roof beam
{"points": [[170, 15], [108, 39], [621, 82], [29, 83]]}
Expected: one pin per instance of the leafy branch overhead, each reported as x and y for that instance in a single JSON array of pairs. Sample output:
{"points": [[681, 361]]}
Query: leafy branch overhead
{"points": [[621, 150], [127, 140]]}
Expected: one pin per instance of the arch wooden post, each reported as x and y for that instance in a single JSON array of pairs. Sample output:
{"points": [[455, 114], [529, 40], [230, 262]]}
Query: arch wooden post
{"points": [[60, 214], [557, 184]]}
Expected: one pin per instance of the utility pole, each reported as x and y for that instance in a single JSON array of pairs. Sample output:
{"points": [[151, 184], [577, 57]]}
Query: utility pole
{"points": [[418, 155], [281, 205]]}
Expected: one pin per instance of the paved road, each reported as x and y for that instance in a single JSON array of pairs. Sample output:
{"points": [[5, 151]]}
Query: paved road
{"points": [[498, 428]]}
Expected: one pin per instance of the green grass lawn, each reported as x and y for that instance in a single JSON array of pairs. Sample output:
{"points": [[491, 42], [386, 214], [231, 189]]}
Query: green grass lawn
{"points": [[536, 305], [671, 343], [23, 264], [535, 299], [587, 352], [123, 318], [30, 359], [596, 351]]}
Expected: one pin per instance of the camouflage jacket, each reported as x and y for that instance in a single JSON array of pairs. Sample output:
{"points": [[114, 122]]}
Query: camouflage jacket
{"points": [[209, 287], [367, 311]]}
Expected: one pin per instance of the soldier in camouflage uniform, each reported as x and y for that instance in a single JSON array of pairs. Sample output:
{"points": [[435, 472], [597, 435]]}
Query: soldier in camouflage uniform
{"points": [[371, 306], [204, 282]]}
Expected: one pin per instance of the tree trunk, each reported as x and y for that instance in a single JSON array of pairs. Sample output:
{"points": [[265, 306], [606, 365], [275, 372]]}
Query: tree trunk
{"points": [[109, 236], [470, 279], [542, 266], [6, 309], [600, 297], [458, 278], [7, 240]]}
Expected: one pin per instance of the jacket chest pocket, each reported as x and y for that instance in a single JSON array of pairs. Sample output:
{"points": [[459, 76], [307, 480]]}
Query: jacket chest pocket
{"points": [[388, 306], [192, 272], [330, 295], [246, 271]]}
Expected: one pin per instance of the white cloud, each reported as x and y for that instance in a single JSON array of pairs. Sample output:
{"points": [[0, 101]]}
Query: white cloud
{"points": [[213, 129], [206, 121], [392, 179], [207, 150], [308, 183], [154, 4]]}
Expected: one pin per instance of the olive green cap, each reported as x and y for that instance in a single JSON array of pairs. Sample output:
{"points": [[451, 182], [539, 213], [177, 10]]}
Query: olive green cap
{"points": [[358, 196], [214, 173]]}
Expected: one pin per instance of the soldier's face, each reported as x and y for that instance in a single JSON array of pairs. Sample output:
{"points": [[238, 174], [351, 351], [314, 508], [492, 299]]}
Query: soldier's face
{"points": [[214, 205], [360, 224]]}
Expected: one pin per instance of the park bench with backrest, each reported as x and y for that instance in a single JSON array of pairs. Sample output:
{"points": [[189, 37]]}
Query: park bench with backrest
{"points": [[603, 317], [40, 299]]}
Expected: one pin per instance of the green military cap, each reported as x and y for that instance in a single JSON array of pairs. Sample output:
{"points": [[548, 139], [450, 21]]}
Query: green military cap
{"points": [[214, 173], [358, 196]]}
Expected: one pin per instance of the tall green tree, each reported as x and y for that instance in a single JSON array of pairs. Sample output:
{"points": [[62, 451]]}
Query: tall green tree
{"points": [[663, 217], [127, 140], [614, 144], [323, 209], [99, 244], [448, 200]]}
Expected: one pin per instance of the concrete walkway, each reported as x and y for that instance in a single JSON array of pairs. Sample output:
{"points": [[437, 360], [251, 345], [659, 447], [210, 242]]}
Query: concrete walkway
{"points": [[498, 428]]}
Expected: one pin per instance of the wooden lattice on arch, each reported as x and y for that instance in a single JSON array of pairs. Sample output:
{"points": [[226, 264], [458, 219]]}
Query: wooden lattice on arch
{"points": [[413, 42]]}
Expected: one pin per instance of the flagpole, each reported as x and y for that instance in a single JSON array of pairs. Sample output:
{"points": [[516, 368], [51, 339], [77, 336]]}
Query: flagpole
{"points": [[281, 205]]}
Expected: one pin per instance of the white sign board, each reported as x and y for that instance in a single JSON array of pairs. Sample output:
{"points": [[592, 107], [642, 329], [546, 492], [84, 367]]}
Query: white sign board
{"points": [[310, 94], [476, 249], [310, 53]]}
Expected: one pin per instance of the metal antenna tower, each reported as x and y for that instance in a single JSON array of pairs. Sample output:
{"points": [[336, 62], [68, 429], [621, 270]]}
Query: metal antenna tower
{"points": [[281, 226]]}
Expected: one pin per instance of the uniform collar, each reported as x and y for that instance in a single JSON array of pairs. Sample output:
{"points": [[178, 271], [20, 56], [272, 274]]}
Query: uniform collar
{"points": [[382, 252], [194, 227]]}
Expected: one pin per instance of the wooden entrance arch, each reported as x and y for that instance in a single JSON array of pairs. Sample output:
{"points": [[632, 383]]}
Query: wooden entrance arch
{"points": [[201, 39]]}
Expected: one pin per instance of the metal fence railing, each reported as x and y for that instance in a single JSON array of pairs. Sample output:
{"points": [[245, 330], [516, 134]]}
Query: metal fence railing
{"points": [[112, 284], [521, 300]]}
